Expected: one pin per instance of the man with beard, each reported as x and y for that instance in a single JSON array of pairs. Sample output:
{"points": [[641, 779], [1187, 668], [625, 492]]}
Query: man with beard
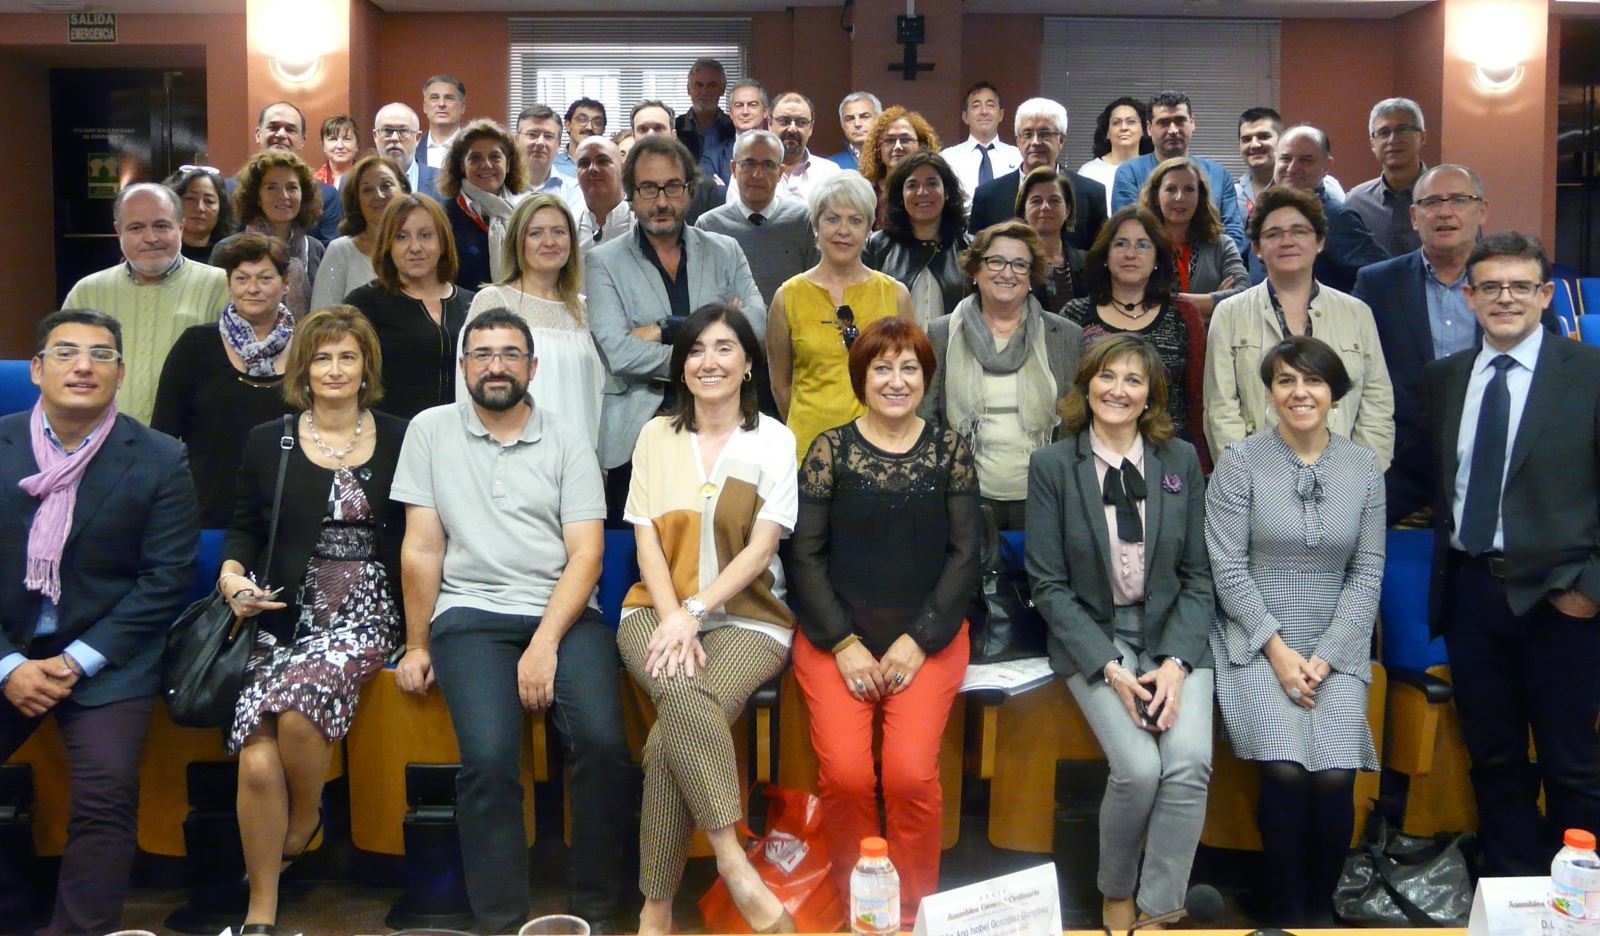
{"points": [[793, 121], [154, 292], [656, 118], [501, 555], [1171, 127], [395, 132], [1041, 129], [538, 138], [601, 212], [585, 118], [641, 288]]}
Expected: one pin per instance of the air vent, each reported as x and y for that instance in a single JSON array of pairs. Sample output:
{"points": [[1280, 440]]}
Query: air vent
{"points": [[58, 6]]}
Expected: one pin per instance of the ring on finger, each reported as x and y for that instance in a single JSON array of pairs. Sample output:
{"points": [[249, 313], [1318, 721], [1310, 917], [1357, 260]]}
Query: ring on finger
{"points": [[1295, 693], [899, 679]]}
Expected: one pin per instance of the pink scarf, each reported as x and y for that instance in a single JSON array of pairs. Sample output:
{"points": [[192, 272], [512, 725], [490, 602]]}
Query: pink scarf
{"points": [[56, 486]]}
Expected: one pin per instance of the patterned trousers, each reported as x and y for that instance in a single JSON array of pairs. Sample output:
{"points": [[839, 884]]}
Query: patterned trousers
{"points": [[691, 775]]}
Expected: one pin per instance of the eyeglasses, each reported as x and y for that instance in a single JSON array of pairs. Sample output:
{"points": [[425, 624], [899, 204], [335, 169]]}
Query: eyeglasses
{"points": [[1520, 289], [900, 141], [995, 263], [1389, 133], [800, 122], [511, 356], [751, 165], [532, 135], [1141, 245], [846, 317], [67, 354], [1042, 136], [1435, 202], [395, 132], [1298, 232], [674, 189], [584, 120]]}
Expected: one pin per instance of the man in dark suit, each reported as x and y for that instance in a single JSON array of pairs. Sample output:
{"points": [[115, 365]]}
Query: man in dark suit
{"points": [[1041, 128], [1303, 158], [1419, 302], [1516, 572], [95, 561]]}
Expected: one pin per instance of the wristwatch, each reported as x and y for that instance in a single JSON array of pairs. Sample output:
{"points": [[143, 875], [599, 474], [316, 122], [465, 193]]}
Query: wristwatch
{"points": [[696, 608]]}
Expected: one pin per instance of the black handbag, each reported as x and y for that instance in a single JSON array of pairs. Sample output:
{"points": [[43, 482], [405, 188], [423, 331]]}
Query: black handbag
{"points": [[1003, 624], [1396, 880], [207, 648]]}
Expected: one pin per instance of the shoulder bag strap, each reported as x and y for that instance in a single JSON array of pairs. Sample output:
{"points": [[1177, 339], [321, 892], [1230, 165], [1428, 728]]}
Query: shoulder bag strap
{"points": [[285, 445]]}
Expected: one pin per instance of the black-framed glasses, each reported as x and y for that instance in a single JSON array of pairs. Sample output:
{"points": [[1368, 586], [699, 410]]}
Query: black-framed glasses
{"points": [[846, 317], [512, 356], [1519, 289], [674, 189]]}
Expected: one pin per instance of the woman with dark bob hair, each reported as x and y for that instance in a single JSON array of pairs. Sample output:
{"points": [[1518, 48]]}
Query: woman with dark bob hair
{"points": [[1004, 364], [481, 181], [923, 235], [1046, 201], [1130, 275], [367, 191], [415, 305], [276, 196], [1295, 530], [713, 492], [223, 377], [1287, 230], [329, 606], [1117, 557], [886, 557], [1118, 137], [207, 210]]}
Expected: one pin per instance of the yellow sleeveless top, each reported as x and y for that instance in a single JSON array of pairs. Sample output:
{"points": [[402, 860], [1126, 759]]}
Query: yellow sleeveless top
{"points": [[820, 396]]}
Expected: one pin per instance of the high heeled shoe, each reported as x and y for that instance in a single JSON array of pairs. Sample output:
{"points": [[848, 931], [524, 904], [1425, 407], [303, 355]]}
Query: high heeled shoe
{"points": [[289, 860]]}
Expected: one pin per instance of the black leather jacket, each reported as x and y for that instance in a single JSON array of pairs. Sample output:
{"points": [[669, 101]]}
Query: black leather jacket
{"points": [[904, 260]]}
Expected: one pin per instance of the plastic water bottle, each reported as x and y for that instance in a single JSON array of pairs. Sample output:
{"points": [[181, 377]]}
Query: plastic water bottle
{"points": [[1575, 887], [875, 891]]}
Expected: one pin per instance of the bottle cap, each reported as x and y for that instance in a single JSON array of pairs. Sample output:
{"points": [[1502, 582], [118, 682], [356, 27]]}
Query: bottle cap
{"points": [[875, 847], [1575, 838]]}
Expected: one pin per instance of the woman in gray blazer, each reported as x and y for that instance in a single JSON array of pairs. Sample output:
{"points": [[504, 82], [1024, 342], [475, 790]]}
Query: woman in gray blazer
{"points": [[1117, 555], [1004, 363], [1209, 268]]}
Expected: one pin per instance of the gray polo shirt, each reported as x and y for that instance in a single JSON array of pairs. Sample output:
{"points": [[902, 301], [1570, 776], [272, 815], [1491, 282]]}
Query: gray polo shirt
{"points": [[502, 506]]}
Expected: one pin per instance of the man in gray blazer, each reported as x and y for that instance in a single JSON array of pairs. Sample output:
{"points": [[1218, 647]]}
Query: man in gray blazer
{"points": [[641, 287]]}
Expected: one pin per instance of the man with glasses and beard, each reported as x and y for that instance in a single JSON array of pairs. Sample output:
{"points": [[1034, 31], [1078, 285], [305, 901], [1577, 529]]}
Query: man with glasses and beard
{"points": [[504, 511], [640, 289]]}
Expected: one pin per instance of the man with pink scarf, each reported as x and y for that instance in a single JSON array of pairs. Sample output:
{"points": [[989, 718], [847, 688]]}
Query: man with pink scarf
{"points": [[98, 529]]}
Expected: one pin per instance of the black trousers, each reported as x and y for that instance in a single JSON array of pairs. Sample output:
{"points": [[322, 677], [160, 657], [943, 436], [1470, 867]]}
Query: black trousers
{"points": [[1539, 671]]}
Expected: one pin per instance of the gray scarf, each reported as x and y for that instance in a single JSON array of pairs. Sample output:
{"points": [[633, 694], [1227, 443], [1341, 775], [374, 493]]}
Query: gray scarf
{"points": [[972, 354]]}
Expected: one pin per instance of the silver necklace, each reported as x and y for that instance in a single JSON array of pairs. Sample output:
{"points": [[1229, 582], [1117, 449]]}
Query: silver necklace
{"points": [[339, 457]]}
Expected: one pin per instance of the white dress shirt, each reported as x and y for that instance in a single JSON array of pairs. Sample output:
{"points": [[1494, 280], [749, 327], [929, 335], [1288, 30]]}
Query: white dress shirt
{"points": [[591, 232], [965, 157], [795, 183], [1519, 377]]}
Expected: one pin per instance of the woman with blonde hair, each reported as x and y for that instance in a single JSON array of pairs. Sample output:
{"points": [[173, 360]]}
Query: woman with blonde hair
{"points": [[543, 274]]}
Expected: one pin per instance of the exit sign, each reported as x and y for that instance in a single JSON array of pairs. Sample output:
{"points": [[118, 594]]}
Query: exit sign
{"points": [[92, 27]]}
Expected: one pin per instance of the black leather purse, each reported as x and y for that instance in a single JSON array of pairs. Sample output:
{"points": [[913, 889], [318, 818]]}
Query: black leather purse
{"points": [[207, 647], [1003, 624]]}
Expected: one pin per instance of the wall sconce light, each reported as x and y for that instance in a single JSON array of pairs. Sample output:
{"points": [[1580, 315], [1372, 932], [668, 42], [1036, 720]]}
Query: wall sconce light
{"points": [[1495, 43], [294, 36]]}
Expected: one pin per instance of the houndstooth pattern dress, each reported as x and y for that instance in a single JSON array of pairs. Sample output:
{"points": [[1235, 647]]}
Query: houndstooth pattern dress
{"points": [[1296, 550]]}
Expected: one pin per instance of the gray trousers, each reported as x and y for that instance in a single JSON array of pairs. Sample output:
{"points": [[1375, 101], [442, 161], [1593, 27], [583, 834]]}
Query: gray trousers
{"points": [[1155, 800]]}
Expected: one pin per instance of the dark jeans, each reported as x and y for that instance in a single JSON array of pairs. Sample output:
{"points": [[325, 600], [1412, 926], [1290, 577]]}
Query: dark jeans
{"points": [[475, 656], [103, 747], [1511, 673]]}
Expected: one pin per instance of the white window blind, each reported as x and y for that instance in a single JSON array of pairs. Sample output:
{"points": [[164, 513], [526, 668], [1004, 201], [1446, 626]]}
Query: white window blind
{"points": [[618, 61], [1224, 66]]}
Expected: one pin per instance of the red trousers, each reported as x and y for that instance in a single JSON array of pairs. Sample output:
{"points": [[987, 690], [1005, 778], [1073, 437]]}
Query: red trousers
{"points": [[913, 726]]}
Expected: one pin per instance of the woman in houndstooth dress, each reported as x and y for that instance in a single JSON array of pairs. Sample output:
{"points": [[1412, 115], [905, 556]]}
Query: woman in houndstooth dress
{"points": [[1295, 528]]}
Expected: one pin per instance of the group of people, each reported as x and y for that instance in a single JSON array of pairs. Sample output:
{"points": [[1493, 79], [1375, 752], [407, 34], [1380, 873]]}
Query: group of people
{"points": [[721, 341]]}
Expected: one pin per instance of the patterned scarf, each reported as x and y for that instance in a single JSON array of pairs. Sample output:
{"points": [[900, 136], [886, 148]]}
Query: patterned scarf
{"points": [[258, 353], [491, 211], [298, 298], [56, 487]]}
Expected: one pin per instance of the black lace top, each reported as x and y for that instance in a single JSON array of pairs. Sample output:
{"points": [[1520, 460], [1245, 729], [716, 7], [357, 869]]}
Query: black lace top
{"points": [[886, 544], [1166, 330]]}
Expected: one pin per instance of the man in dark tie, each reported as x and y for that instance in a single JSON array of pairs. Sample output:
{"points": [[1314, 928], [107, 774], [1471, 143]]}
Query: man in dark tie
{"points": [[1516, 572], [1041, 129], [982, 156]]}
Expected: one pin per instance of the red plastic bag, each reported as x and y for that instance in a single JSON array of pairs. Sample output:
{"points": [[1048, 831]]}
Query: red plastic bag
{"points": [[793, 861]]}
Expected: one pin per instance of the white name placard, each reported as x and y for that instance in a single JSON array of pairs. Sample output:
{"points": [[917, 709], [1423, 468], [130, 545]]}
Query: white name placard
{"points": [[1510, 906], [1025, 903]]}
